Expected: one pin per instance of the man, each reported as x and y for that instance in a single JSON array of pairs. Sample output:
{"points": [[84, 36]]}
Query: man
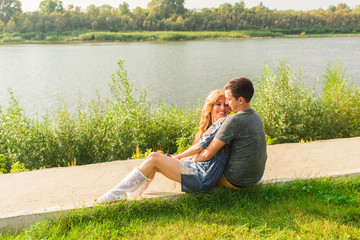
{"points": [[244, 131]]}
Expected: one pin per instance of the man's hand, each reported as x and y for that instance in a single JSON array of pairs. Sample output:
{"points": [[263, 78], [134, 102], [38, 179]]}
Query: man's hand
{"points": [[205, 155], [194, 149]]}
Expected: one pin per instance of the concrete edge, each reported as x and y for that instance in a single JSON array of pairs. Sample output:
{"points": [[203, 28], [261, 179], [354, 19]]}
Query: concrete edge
{"points": [[349, 173], [18, 223]]}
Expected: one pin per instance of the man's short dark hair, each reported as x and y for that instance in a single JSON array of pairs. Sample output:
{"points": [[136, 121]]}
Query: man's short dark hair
{"points": [[240, 87]]}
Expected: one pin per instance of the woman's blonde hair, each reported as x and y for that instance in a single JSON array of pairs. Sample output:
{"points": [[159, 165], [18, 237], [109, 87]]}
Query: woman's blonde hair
{"points": [[206, 118]]}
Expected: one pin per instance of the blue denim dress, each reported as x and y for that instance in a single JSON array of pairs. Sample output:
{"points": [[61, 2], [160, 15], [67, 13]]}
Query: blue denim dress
{"points": [[201, 176]]}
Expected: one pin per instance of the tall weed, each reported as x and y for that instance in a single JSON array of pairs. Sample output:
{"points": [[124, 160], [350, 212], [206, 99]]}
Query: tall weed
{"points": [[15, 134], [105, 130], [284, 104], [339, 105], [291, 112], [113, 128]]}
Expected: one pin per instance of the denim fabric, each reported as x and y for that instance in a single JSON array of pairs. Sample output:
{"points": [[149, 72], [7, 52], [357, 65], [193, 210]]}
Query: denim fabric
{"points": [[200, 176]]}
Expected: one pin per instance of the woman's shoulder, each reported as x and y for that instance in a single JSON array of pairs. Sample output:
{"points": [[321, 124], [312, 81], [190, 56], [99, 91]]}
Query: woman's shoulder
{"points": [[214, 127], [219, 122]]}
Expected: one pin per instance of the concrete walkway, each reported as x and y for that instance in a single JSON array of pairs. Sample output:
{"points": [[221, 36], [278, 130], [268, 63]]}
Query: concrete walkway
{"points": [[28, 197]]}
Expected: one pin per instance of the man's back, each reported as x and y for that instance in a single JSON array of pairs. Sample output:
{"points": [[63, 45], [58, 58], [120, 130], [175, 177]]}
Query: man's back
{"points": [[244, 131]]}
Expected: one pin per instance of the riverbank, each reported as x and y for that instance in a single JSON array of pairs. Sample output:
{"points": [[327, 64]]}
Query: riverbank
{"points": [[78, 36], [45, 192]]}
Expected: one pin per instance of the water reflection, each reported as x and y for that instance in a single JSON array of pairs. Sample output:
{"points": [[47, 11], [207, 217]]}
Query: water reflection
{"points": [[178, 73]]}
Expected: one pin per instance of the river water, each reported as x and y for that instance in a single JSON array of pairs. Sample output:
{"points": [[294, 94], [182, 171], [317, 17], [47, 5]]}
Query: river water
{"points": [[176, 73]]}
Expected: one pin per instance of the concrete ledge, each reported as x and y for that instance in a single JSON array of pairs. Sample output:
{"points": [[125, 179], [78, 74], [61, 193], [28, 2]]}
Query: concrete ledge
{"points": [[51, 193], [338, 174], [18, 222]]}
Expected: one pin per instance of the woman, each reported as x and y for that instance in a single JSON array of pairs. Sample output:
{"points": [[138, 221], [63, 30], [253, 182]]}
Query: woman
{"points": [[193, 176]]}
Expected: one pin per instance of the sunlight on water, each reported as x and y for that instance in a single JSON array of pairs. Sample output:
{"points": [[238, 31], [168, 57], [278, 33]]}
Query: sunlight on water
{"points": [[177, 73]]}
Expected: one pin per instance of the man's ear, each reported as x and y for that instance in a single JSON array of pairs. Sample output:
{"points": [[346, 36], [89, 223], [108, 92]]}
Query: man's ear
{"points": [[241, 100]]}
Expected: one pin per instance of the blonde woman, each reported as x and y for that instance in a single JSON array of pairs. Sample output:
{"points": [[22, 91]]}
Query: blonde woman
{"points": [[193, 176]]}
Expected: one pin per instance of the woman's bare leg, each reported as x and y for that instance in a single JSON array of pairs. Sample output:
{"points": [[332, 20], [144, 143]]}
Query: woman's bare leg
{"points": [[157, 162], [139, 177]]}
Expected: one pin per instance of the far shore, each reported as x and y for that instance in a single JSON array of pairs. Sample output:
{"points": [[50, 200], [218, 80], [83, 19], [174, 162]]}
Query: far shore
{"points": [[63, 38]]}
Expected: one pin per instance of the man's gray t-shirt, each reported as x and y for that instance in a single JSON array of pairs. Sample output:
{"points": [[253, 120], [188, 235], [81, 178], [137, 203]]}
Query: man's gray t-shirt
{"points": [[244, 131]]}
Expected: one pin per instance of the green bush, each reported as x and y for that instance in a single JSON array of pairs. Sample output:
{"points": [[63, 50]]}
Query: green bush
{"points": [[117, 36], [18, 167], [2, 163], [15, 133], [105, 130], [165, 36], [338, 106], [173, 36], [292, 113], [87, 37], [52, 38], [113, 129], [8, 39], [284, 104], [263, 33]]}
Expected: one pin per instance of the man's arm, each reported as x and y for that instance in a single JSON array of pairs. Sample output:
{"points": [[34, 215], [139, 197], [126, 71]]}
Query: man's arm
{"points": [[195, 149], [205, 155]]}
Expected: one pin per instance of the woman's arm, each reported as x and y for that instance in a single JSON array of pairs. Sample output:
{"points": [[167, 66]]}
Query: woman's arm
{"points": [[194, 149]]}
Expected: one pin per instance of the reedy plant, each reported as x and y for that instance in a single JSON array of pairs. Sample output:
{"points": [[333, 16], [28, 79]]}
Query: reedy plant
{"points": [[292, 113], [15, 132], [283, 104], [105, 130], [339, 105], [111, 129]]}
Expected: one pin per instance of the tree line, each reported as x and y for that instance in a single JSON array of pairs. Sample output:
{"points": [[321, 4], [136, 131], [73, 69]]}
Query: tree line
{"points": [[171, 15]]}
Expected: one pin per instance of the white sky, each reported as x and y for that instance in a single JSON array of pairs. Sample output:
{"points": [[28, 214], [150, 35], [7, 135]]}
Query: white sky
{"points": [[33, 5]]}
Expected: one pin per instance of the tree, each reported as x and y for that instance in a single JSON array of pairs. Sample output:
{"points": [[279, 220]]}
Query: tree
{"points": [[26, 25], [49, 6], [139, 18], [59, 25], [9, 9], [239, 7], [342, 6], [124, 9], [332, 8], [2, 26], [165, 8], [11, 25]]}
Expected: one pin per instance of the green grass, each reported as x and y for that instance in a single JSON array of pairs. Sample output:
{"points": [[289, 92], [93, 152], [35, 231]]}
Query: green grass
{"points": [[304, 209], [9, 38], [167, 36], [83, 36]]}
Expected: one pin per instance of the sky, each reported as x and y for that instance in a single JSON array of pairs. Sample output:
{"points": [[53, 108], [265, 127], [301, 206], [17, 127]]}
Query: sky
{"points": [[33, 5]]}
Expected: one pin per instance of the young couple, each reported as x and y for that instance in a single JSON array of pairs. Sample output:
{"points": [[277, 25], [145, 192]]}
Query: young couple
{"points": [[230, 151]]}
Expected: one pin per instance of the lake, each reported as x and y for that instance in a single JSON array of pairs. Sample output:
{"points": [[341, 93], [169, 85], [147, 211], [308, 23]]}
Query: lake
{"points": [[176, 73]]}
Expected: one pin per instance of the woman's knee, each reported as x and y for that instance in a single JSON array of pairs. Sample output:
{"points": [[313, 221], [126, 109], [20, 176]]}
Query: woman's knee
{"points": [[153, 157]]}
